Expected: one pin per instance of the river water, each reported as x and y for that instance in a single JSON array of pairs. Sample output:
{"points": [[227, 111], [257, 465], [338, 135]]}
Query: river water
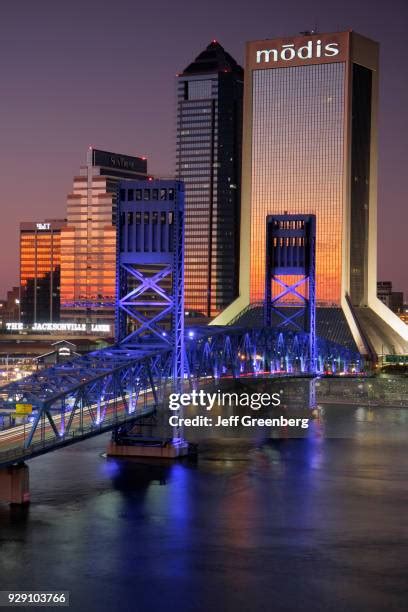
{"points": [[255, 523]]}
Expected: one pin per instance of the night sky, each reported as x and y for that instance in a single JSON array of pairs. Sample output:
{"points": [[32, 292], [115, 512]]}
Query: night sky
{"points": [[75, 74]]}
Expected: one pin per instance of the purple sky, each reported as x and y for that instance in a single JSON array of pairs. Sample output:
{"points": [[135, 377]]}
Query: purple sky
{"points": [[75, 74]]}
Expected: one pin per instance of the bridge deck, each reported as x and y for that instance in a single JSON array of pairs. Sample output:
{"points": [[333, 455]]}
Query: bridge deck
{"points": [[106, 389], [15, 451], [85, 397]]}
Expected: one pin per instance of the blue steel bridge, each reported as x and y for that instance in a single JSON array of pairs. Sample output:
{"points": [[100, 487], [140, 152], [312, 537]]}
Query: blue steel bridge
{"points": [[114, 387]]}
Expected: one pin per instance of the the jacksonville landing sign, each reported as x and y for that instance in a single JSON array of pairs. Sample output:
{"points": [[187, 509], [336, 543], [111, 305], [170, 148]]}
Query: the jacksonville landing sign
{"points": [[93, 328], [313, 49]]}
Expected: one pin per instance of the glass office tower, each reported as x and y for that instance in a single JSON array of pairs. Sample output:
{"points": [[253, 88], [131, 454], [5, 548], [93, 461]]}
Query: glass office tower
{"points": [[40, 265], [208, 160], [310, 147], [297, 161], [88, 243]]}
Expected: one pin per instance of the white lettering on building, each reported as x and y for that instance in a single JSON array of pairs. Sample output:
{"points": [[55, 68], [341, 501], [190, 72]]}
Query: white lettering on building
{"points": [[100, 328], [43, 226], [289, 52], [14, 326], [56, 327]]}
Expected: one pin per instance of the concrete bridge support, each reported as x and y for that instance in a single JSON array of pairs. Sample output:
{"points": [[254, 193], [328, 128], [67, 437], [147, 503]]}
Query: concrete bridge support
{"points": [[153, 449], [14, 484]]}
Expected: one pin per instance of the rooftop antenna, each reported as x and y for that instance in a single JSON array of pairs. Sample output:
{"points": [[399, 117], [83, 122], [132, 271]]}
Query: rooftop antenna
{"points": [[309, 32]]}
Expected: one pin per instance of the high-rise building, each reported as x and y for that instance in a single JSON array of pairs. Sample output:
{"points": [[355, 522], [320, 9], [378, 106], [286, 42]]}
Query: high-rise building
{"points": [[88, 243], [310, 147], [40, 267], [209, 132], [393, 299], [10, 307]]}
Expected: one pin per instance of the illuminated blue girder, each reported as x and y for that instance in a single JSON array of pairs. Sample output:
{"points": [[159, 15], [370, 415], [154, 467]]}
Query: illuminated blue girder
{"points": [[234, 352], [290, 252], [116, 386], [150, 279], [85, 397]]}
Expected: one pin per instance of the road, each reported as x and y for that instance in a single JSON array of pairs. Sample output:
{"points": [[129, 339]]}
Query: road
{"points": [[83, 424]]}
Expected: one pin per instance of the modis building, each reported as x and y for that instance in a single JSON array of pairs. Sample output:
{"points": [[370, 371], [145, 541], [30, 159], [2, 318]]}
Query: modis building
{"points": [[310, 147]]}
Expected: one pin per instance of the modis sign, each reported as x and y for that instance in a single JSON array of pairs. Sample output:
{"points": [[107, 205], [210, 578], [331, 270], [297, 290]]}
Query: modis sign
{"points": [[286, 53], [298, 51]]}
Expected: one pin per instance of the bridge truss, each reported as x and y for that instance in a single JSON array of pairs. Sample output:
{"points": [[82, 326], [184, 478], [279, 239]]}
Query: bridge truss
{"points": [[84, 397], [235, 352], [113, 387]]}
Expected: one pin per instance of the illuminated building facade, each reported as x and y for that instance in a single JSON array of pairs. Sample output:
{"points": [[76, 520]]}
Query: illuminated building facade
{"points": [[40, 267], [208, 160], [88, 243], [310, 147]]}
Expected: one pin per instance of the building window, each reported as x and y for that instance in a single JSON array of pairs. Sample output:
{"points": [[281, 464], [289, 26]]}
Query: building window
{"points": [[199, 90]]}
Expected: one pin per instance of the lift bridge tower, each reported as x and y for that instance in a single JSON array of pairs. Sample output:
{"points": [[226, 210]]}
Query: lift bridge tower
{"points": [[290, 285], [150, 278]]}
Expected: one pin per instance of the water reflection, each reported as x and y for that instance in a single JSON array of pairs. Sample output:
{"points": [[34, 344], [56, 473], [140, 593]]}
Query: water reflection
{"points": [[257, 518]]}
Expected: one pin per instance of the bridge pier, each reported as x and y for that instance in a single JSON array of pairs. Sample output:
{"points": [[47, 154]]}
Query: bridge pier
{"points": [[147, 438], [14, 484], [161, 449]]}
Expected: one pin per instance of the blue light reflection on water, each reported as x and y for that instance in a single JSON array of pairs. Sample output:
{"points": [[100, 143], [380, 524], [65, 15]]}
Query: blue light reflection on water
{"points": [[254, 520]]}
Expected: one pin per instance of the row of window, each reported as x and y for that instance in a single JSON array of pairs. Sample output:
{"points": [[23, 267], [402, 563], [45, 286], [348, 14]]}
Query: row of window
{"points": [[194, 111], [147, 217], [184, 147], [132, 195], [191, 143], [195, 132], [198, 130], [201, 157], [200, 122], [192, 173]]}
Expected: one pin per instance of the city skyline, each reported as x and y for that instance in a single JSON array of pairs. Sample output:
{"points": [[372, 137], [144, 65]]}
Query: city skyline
{"points": [[48, 122], [204, 368]]}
